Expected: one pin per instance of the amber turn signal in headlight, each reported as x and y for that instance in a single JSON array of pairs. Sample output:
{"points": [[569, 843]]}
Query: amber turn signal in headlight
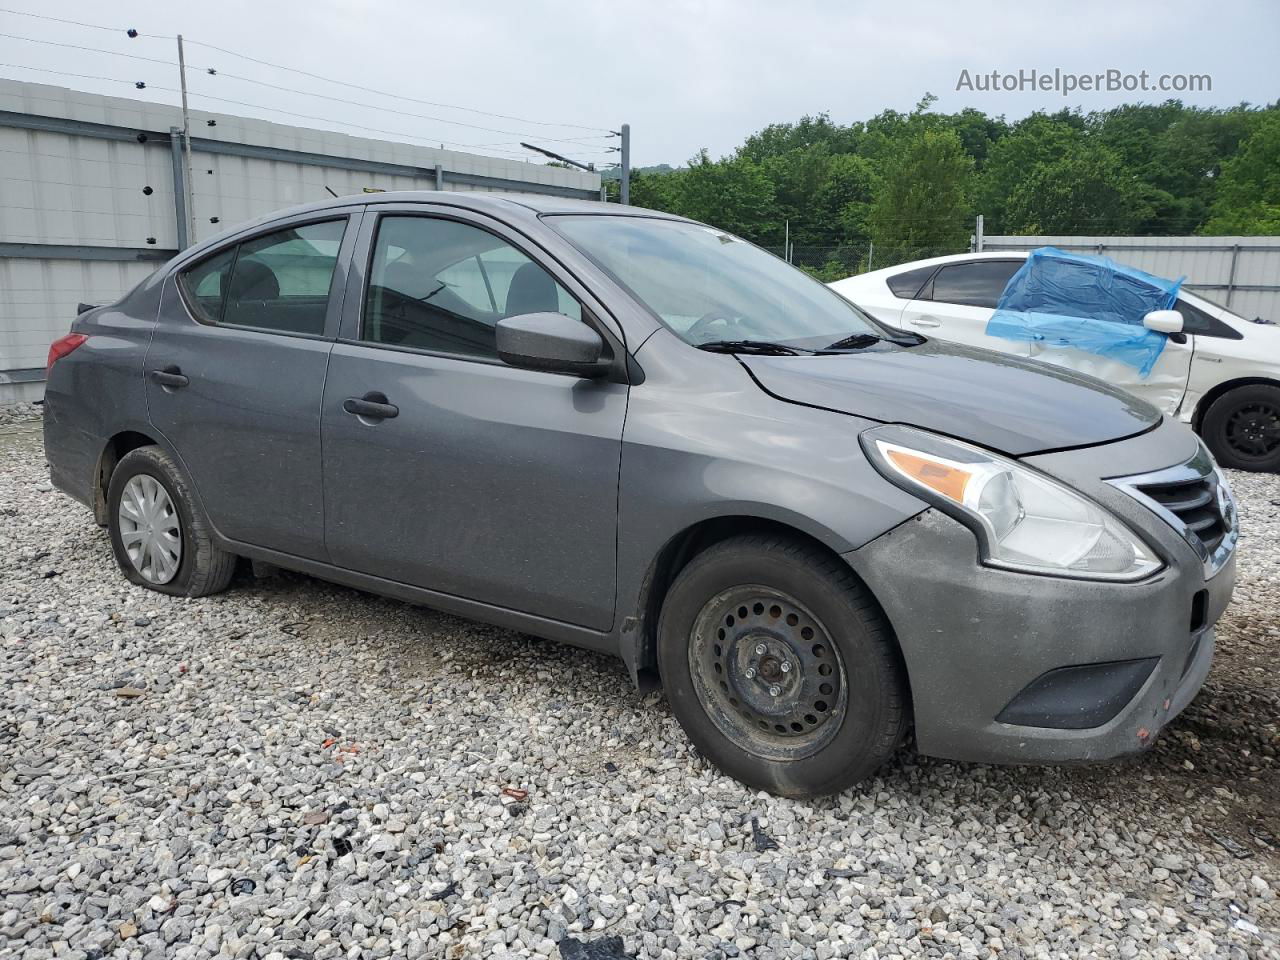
{"points": [[1024, 520]]}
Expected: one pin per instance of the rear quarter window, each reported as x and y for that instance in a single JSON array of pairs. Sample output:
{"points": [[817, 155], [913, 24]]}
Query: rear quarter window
{"points": [[907, 285]]}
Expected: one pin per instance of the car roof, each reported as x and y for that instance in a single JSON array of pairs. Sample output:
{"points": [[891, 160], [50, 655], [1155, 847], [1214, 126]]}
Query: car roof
{"points": [[519, 204], [475, 200]]}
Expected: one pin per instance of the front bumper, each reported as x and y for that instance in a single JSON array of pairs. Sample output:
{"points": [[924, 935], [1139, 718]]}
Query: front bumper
{"points": [[983, 646]]}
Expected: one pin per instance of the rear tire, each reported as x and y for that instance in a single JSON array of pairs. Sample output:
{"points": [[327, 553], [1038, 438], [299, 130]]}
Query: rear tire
{"points": [[1242, 428], [159, 537], [781, 667]]}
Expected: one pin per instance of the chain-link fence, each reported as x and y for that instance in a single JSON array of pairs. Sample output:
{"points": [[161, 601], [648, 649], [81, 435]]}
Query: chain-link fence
{"points": [[836, 263]]}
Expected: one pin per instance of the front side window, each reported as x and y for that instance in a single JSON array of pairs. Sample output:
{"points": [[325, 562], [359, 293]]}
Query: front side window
{"points": [[707, 285], [279, 281], [976, 284], [1197, 321], [442, 286]]}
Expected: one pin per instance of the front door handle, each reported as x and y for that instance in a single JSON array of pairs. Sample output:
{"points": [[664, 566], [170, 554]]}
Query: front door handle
{"points": [[372, 406], [923, 322], [170, 377]]}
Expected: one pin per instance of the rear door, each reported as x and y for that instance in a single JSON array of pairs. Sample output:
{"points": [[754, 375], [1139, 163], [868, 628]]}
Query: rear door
{"points": [[958, 301], [480, 480], [235, 375]]}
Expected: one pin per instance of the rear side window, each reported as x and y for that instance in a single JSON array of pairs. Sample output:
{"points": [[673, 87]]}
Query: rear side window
{"points": [[976, 284], [279, 281], [440, 285], [205, 283], [907, 285]]}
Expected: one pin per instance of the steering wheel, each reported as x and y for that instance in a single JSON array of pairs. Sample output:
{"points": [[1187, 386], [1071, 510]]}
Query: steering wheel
{"points": [[704, 324]]}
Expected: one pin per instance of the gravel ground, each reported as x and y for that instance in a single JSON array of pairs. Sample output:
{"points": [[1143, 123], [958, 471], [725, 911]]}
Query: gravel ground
{"points": [[297, 770]]}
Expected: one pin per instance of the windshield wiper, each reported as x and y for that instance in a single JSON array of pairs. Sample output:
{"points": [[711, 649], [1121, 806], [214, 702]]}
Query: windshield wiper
{"points": [[857, 341], [763, 347], [854, 341]]}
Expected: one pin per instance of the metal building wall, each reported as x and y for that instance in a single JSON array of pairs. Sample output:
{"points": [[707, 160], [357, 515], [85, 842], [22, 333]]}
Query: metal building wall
{"points": [[1242, 273], [91, 197]]}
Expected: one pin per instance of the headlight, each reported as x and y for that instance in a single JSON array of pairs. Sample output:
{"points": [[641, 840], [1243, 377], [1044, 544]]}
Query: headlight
{"points": [[1024, 520]]}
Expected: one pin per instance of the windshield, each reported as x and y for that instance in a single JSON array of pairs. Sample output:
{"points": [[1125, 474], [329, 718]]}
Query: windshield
{"points": [[710, 286]]}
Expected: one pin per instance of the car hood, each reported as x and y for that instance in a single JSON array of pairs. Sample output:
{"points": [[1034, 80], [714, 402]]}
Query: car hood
{"points": [[1014, 406]]}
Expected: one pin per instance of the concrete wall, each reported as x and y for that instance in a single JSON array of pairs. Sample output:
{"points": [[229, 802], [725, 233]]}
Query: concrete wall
{"points": [[1240, 273], [91, 197]]}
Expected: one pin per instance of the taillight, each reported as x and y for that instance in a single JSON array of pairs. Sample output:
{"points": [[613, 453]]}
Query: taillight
{"points": [[60, 348]]}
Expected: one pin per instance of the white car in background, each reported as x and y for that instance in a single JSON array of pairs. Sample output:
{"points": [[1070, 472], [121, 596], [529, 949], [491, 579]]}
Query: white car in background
{"points": [[1218, 371]]}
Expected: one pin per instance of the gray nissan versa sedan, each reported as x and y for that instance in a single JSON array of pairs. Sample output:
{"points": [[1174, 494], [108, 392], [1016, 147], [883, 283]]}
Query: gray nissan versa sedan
{"points": [[642, 435]]}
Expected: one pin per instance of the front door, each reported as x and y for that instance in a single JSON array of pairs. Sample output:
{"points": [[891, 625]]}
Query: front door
{"points": [[235, 375], [468, 477], [1162, 387]]}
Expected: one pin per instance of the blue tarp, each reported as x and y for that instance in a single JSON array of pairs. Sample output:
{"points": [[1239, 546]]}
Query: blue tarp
{"points": [[1089, 303]]}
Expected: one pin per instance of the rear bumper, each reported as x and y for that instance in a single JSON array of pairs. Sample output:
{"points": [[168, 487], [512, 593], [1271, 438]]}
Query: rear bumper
{"points": [[977, 641], [72, 453]]}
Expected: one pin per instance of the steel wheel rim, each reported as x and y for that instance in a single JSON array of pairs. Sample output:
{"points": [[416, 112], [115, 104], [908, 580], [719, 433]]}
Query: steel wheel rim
{"points": [[741, 640], [150, 529]]}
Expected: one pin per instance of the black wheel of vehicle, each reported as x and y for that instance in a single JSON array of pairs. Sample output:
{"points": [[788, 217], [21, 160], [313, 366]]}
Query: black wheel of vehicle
{"points": [[1242, 428], [781, 667], [159, 538]]}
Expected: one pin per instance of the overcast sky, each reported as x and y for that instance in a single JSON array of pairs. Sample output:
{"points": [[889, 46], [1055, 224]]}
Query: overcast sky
{"points": [[685, 74]]}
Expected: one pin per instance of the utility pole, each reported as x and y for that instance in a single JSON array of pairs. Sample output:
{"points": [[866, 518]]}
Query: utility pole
{"points": [[977, 234], [786, 241], [625, 187], [186, 141]]}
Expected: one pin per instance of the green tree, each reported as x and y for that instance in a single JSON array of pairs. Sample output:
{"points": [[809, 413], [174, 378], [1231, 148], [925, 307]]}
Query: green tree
{"points": [[1033, 143], [920, 205], [1086, 191], [1248, 200], [733, 194]]}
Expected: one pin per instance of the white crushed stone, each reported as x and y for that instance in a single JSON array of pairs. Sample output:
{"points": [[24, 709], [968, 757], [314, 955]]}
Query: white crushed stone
{"points": [[296, 770]]}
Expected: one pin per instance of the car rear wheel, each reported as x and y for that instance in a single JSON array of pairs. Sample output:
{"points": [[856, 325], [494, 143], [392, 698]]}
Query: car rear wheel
{"points": [[781, 667], [1242, 428], [159, 538]]}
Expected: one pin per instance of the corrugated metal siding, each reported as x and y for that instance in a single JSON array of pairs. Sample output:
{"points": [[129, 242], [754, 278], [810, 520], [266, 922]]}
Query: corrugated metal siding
{"points": [[38, 300], [1253, 290], [72, 189]]}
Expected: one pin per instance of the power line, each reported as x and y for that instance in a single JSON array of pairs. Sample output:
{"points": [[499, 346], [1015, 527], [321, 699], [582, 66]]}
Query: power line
{"points": [[397, 96], [403, 113], [314, 76], [396, 133], [76, 46], [80, 23]]}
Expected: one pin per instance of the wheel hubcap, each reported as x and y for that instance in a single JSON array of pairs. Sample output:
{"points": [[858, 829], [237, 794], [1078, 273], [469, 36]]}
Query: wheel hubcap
{"points": [[149, 529], [1253, 430], [767, 673]]}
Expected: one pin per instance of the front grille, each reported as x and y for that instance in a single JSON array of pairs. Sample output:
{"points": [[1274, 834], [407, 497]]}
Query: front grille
{"points": [[1196, 504], [1194, 499]]}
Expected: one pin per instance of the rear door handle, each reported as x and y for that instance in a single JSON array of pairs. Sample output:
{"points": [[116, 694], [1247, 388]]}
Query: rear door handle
{"points": [[372, 406], [923, 322], [171, 377]]}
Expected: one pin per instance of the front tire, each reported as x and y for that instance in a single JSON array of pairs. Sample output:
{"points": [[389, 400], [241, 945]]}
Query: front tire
{"points": [[160, 539], [1242, 428], [781, 667]]}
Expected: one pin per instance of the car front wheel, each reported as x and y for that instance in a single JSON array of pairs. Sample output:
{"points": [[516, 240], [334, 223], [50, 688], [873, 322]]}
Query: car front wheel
{"points": [[781, 667], [1242, 428], [158, 535]]}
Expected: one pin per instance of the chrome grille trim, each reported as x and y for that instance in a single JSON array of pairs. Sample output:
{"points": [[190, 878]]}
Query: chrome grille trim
{"points": [[1184, 484]]}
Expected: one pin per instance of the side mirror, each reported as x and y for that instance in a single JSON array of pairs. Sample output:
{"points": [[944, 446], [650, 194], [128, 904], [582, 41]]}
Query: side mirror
{"points": [[1163, 321], [551, 342]]}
